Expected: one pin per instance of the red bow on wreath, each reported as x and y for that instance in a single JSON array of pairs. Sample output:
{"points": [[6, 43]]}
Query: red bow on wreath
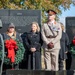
{"points": [[11, 46], [73, 41]]}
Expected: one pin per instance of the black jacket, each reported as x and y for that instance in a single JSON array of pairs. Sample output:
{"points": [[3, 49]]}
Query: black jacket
{"points": [[33, 40], [64, 46], [5, 36]]}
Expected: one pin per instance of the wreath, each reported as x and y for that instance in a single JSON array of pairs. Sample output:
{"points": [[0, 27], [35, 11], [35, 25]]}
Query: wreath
{"points": [[14, 53], [72, 47]]}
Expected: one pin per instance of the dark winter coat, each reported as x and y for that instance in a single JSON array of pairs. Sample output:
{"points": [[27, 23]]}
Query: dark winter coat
{"points": [[34, 59], [64, 46], [5, 36]]}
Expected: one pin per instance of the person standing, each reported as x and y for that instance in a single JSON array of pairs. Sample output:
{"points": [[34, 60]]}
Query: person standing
{"points": [[11, 33], [64, 49], [33, 44], [51, 35]]}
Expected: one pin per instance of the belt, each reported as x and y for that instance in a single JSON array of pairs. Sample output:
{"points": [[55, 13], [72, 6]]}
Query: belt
{"points": [[50, 36]]}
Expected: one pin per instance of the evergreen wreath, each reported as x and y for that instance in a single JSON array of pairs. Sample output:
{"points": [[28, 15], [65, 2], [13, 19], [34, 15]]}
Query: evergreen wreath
{"points": [[72, 47], [19, 54]]}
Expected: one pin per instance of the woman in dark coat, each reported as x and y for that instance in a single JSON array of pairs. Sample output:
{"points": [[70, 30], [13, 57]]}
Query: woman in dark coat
{"points": [[64, 49], [11, 33], [33, 44]]}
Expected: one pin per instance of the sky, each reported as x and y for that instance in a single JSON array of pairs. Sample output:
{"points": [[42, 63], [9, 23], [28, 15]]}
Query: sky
{"points": [[67, 13]]}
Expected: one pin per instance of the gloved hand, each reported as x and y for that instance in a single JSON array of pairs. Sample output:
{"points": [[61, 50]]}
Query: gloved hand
{"points": [[50, 45]]}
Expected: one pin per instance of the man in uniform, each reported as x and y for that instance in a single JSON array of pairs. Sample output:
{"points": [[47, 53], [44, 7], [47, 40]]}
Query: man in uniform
{"points": [[51, 35]]}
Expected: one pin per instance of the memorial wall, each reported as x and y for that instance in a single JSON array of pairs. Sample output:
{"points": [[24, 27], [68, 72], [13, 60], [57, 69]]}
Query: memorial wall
{"points": [[22, 19]]}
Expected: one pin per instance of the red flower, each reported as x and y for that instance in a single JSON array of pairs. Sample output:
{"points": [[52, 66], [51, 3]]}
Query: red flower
{"points": [[73, 41], [11, 46]]}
